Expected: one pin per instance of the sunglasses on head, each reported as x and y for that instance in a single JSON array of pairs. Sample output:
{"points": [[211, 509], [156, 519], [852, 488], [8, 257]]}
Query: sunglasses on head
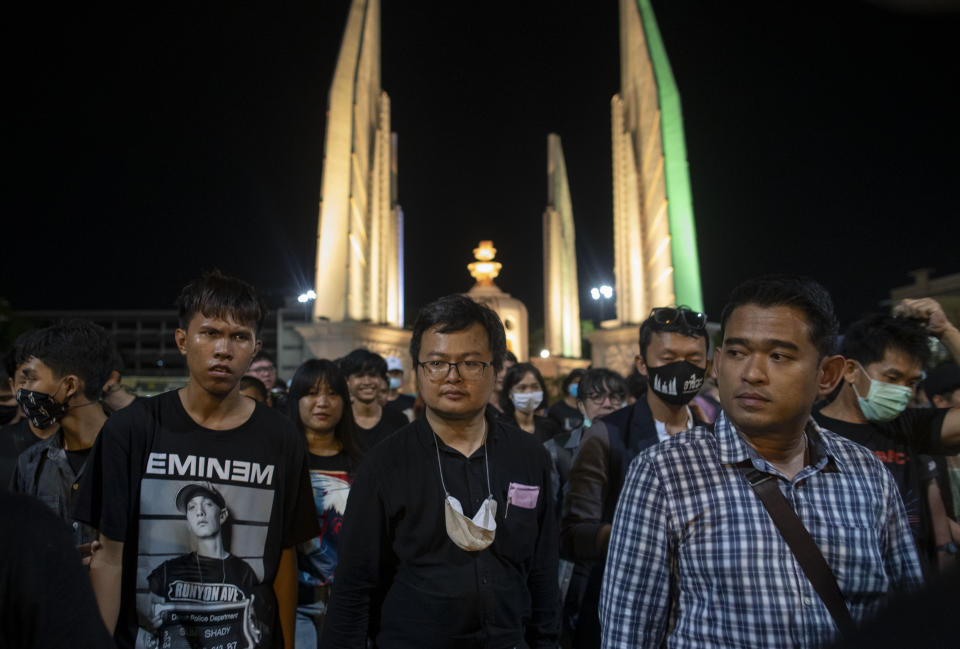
{"points": [[668, 315]]}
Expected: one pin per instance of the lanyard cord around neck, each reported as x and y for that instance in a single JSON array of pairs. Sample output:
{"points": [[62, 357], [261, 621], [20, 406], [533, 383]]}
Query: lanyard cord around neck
{"points": [[486, 463]]}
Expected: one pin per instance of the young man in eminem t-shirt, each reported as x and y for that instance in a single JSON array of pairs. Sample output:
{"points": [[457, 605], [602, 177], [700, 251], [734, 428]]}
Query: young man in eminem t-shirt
{"points": [[253, 465]]}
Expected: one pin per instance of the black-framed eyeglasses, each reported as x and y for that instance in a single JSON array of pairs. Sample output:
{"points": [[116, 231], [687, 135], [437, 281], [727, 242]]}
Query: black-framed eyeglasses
{"points": [[468, 370], [668, 315], [597, 398]]}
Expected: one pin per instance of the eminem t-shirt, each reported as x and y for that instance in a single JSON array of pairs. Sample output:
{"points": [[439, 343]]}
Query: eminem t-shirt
{"points": [[390, 421], [898, 444], [204, 516], [317, 558]]}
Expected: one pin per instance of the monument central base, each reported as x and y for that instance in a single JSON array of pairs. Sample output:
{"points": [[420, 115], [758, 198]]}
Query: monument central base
{"points": [[615, 348], [334, 340]]}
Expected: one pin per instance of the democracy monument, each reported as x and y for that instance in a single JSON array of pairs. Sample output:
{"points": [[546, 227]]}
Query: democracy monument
{"points": [[359, 257]]}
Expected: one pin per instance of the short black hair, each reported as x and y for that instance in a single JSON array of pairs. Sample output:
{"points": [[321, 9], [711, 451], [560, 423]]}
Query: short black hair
{"points": [[314, 372], [456, 313], [600, 380], [16, 356], [574, 375], [650, 326], [801, 293], [78, 347], [869, 338], [510, 356], [247, 381], [513, 376], [363, 361], [264, 356], [636, 383], [216, 295]]}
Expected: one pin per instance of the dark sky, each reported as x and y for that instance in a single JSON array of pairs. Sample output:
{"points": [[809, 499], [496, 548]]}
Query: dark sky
{"points": [[148, 144]]}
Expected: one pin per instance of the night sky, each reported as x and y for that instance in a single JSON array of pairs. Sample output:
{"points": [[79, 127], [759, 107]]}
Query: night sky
{"points": [[147, 144]]}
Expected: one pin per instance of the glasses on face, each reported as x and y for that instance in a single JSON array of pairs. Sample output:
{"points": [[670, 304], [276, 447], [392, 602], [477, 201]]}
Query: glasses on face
{"points": [[668, 315], [597, 398], [467, 370]]}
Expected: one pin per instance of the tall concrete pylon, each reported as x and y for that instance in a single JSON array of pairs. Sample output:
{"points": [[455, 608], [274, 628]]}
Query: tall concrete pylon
{"points": [[655, 250], [561, 296], [359, 265]]}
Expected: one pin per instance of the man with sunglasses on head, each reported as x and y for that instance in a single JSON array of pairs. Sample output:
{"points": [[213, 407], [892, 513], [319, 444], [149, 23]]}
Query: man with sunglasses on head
{"points": [[673, 358]]}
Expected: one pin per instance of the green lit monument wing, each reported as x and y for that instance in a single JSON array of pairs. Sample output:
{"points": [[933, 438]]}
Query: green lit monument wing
{"points": [[655, 248]]}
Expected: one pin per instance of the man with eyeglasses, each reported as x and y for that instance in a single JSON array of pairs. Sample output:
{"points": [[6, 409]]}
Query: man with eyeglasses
{"points": [[449, 535], [673, 358]]}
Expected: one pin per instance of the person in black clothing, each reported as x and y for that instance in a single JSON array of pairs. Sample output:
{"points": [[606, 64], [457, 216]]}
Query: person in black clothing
{"points": [[19, 434], [565, 412], [885, 357], [450, 540], [364, 371], [522, 394], [45, 597], [65, 368], [320, 407], [673, 358]]}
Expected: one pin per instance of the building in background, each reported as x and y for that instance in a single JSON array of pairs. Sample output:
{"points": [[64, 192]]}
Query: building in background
{"points": [[512, 311]]}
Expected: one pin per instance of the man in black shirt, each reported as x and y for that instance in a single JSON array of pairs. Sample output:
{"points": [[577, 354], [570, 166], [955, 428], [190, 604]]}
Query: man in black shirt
{"points": [[18, 434], [885, 357], [150, 457], [449, 537], [65, 368], [366, 372]]}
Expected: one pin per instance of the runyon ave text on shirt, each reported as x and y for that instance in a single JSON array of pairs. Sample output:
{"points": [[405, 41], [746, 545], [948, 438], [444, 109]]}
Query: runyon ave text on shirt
{"points": [[199, 466]]}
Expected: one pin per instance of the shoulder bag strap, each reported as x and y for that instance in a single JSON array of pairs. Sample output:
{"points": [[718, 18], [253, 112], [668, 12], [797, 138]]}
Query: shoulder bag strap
{"points": [[802, 545]]}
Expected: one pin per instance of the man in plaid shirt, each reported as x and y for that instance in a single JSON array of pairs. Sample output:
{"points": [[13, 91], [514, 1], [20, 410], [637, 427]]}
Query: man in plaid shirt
{"points": [[694, 558]]}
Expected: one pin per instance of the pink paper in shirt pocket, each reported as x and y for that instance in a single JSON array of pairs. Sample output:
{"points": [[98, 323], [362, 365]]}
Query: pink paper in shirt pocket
{"points": [[522, 495]]}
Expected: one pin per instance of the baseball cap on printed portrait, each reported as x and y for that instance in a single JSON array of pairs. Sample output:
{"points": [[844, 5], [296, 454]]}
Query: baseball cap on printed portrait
{"points": [[185, 495], [394, 363]]}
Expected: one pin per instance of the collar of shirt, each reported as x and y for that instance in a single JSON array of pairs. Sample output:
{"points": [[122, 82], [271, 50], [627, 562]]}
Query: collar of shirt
{"points": [[662, 433], [733, 449], [429, 438]]}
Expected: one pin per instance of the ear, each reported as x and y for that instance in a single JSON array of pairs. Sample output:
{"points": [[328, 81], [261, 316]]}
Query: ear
{"points": [[639, 364], [180, 337], [832, 369], [223, 515], [939, 402], [72, 385], [850, 370], [112, 381], [256, 350]]}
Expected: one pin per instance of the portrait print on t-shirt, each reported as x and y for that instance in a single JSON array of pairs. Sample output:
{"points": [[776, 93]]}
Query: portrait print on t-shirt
{"points": [[200, 565]]}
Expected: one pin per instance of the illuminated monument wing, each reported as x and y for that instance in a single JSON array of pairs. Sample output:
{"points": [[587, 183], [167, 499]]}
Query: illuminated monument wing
{"points": [[512, 312], [655, 248], [359, 280], [560, 293], [359, 252]]}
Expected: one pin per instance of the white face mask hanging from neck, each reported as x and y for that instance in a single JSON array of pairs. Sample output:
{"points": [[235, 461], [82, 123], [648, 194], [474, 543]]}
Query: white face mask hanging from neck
{"points": [[469, 534]]}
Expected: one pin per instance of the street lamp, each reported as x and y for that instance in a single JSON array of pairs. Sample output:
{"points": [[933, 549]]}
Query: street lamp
{"points": [[601, 294], [308, 296], [544, 353]]}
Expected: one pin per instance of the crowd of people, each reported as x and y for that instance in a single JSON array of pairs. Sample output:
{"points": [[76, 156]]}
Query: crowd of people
{"points": [[776, 486]]}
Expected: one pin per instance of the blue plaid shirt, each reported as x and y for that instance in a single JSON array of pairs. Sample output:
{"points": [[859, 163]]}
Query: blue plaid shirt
{"points": [[696, 561]]}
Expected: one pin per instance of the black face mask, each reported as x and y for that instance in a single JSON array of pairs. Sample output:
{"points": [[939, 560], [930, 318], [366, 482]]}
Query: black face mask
{"points": [[676, 383], [42, 409], [7, 413]]}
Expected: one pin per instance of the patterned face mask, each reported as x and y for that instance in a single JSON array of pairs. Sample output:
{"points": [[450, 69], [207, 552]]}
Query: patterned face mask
{"points": [[42, 409]]}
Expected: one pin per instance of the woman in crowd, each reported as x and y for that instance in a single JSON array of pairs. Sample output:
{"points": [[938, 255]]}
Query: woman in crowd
{"points": [[319, 403], [523, 392]]}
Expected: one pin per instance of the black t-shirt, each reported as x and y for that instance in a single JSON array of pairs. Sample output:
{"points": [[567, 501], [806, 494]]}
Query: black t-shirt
{"points": [[14, 440], [256, 502], [898, 444], [401, 403], [46, 601], [76, 459], [564, 416], [390, 421]]}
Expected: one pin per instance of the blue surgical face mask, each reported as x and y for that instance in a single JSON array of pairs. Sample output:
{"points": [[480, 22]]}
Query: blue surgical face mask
{"points": [[395, 383], [572, 390], [884, 401]]}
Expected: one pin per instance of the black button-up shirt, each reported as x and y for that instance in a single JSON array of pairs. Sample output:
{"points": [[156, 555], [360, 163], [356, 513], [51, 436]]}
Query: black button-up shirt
{"points": [[399, 574]]}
